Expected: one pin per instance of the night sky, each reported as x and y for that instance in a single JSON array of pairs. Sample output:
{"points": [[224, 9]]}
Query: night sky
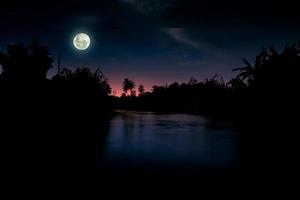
{"points": [[153, 41]]}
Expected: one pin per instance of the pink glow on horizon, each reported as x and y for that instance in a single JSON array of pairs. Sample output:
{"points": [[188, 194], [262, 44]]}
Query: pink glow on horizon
{"points": [[116, 80], [117, 90]]}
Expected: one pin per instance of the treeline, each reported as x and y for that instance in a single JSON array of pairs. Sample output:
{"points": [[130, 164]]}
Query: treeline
{"points": [[191, 97], [271, 80]]}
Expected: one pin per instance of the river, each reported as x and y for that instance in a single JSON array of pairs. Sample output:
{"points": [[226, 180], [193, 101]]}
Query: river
{"points": [[148, 142]]}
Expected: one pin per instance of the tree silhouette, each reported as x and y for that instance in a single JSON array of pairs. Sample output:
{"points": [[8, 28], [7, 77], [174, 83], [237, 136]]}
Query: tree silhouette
{"points": [[141, 89], [192, 81], [26, 63], [272, 68], [249, 72], [237, 83], [85, 77], [128, 85], [133, 93]]}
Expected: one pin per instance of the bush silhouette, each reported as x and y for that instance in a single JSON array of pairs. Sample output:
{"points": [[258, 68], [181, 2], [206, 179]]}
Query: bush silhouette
{"points": [[84, 77], [26, 63]]}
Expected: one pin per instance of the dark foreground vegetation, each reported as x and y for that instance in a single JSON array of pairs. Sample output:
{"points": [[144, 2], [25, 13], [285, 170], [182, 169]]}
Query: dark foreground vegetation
{"points": [[57, 125], [50, 129]]}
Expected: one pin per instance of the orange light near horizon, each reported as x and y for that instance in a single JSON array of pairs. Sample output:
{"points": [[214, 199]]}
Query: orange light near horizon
{"points": [[116, 89]]}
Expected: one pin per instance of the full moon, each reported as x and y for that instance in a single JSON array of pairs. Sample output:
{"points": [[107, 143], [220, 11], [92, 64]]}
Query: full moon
{"points": [[81, 41]]}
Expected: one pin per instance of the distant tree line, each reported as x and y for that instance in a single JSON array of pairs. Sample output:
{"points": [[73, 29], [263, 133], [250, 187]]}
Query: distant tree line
{"points": [[273, 76]]}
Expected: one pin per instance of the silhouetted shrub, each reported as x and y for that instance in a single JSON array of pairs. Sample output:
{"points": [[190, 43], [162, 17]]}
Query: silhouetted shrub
{"points": [[26, 63]]}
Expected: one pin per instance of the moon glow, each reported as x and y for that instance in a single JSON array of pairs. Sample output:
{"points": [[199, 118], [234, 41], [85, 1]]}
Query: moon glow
{"points": [[81, 41]]}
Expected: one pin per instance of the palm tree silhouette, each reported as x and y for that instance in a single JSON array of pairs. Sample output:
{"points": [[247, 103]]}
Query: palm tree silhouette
{"points": [[128, 85], [272, 68], [249, 72], [141, 89]]}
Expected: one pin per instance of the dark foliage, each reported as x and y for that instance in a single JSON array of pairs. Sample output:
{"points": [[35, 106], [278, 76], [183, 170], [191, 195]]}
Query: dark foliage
{"points": [[128, 85], [25, 63], [83, 77], [141, 90], [192, 98], [55, 125]]}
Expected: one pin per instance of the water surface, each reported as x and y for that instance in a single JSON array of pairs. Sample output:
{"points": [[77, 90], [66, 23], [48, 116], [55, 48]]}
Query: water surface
{"points": [[180, 142]]}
